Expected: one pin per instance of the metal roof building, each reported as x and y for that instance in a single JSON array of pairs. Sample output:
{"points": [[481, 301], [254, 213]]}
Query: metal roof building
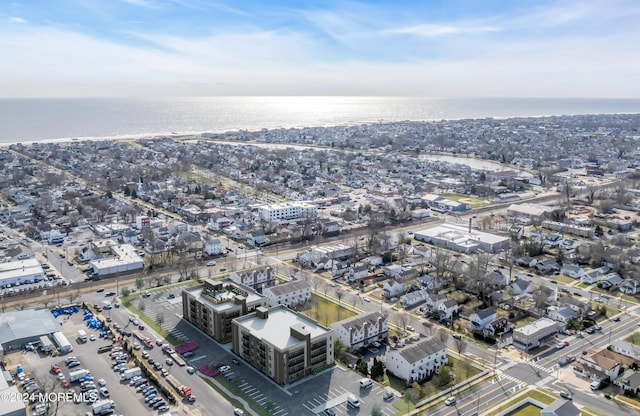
{"points": [[20, 327]]}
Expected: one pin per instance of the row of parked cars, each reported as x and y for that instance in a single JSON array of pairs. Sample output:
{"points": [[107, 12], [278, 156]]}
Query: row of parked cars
{"points": [[151, 396]]}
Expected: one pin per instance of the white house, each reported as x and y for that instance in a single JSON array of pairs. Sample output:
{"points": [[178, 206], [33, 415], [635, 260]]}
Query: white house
{"points": [[448, 308], [630, 287], [357, 272], [392, 289], [213, 247], [220, 223], [482, 318], [561, 314], [572, 270], [413, 298], [433, 301], [257, 239], [257, 279], [626, 348], [361, 330], [295, 292], [417, 360]]}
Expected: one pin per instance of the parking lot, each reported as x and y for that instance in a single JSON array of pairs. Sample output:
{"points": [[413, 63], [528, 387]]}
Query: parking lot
{"points": [[127, 401]]}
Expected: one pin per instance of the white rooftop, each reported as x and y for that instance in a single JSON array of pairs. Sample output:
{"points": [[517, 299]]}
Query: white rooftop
{"points": [[276, 328]]}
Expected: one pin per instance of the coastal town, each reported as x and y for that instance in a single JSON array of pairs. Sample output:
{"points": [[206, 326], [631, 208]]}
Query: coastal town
{"points": [[454, 267]]}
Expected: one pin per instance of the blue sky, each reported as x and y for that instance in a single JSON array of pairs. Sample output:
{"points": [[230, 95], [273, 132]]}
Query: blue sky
{"points": [[440, 48]]}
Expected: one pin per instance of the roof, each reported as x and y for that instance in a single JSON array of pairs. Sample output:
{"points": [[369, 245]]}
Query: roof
{"points": [[533, 327], [485, 313], [276, 328], [26, 324], [359, 321], [562, 407], [285, 288], [414, 352]]}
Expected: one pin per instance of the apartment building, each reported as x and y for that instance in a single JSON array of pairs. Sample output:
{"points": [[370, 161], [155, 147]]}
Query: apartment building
{"points": [[282, 344], [287, 211], [361, 330], [293, 293], [257, 279], [213, 305]]}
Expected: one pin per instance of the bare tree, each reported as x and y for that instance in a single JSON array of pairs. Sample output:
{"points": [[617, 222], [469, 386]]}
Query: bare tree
{"points": [[460, 345], [402, 319], [73, 295], [340, 294], [441, 260], [443, 336]]}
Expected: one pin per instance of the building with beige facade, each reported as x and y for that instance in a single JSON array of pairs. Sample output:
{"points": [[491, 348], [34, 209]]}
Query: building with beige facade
{"points": [[213, 305], [282, 344]]}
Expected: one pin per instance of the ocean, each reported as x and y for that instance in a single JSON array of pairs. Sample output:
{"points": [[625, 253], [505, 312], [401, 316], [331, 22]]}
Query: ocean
{"points": [[29, 120]]}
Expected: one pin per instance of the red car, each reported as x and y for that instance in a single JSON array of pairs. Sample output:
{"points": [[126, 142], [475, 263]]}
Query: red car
{"points": [[65, 383], [55, 369]]}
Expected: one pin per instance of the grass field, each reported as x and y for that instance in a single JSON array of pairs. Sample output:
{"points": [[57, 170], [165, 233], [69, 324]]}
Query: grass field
{"points": [[634, 338], [563, 279], [526, 410], [196, 177], [472, 202], [534, 394], [325, 311]]}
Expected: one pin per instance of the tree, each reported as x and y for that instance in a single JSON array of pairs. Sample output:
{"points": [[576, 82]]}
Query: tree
{"points": [[377, 369], [460, 345], [443, 376], [139, 283], [167, 280], [127, 191], [363, 368], [134, 194], [72, 296], [375, 410], [125, 292], [141, 306], [443, 336], [159, 319], [413, 393], [339, 349], [402, 320]]}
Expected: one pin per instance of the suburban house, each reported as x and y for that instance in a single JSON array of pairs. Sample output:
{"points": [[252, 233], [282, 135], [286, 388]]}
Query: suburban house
{"points": [[547, 266], [448, 309], [414, 298], [526, 261], [257, 279], [257, 239], [561, 407], [392, 289], [433, 301], [357, 272], [610, 280], [482, 318], [572, 270], [603, 364], [521, 286], [417, 360], [629, 381], [561, 313], [427, 282], [630, 287], [361, 330], [534, 333], [213, 247], [627, 349], [497, 326]]}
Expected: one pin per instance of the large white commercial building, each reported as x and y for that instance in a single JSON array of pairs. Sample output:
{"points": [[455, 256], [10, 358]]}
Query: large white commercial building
{"points": [[20, 271], [417, 360], [458, 238], [288, 211], [124, 259]]}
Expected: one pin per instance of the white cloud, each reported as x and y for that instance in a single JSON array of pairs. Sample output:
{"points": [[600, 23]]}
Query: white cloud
{"points": [[433, 30], [15, 19], [142, 3]]}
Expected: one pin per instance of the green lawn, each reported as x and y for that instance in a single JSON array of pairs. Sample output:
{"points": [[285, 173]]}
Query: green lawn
{"points": [[528, 409], [324, 311], [196, 177], [472, 202], [634, 338], [534, 394], [564, 279]]}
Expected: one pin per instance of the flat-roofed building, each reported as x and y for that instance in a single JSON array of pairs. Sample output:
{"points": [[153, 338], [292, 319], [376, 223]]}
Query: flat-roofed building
{"points": [[458, 238], [529, 210], [288, 211], [532, 334], [21, 271], [124, 258], [283, 344], [213, 305]]}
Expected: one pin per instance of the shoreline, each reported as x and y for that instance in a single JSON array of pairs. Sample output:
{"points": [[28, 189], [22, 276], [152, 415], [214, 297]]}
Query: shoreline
{"points": [[200, 133]]}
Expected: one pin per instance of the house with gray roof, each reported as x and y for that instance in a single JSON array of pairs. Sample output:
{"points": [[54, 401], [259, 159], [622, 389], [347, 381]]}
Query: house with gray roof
{"points": [[481, 318], [361, 330], [561, 313], [572, 270], [293, 293], [560, 407], [417, 360]]}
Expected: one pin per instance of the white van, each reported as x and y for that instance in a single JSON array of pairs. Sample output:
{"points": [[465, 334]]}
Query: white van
{"points": [[595, 385], [365, 383], [353, 401]]}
